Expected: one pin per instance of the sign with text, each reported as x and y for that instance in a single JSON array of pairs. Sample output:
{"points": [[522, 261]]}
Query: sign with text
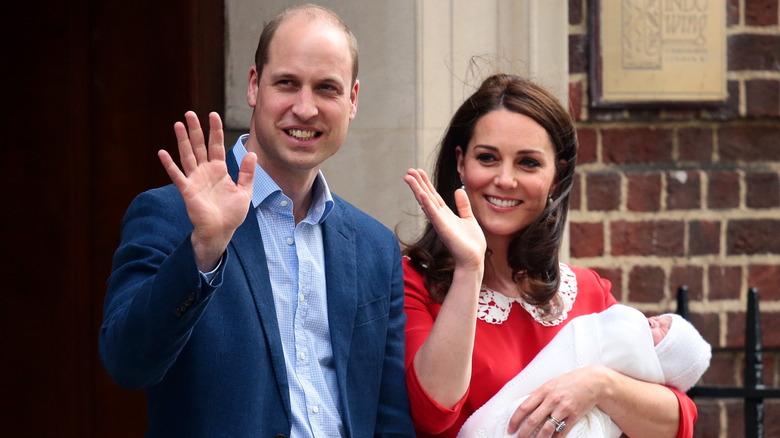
{"points": [[650, 51]]}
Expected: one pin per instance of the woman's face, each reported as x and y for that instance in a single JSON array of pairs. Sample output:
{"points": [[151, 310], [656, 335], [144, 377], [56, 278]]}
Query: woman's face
{"points": [[508, 170]]}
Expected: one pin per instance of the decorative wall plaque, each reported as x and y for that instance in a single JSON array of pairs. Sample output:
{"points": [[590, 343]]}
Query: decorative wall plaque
{"points": [[653, 51]]}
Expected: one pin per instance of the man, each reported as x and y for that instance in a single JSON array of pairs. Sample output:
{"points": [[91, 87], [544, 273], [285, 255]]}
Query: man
{"points": [[283, 320]]}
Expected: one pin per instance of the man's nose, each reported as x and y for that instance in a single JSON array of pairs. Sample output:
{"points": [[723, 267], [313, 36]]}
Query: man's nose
{"points": [[305, 106]]}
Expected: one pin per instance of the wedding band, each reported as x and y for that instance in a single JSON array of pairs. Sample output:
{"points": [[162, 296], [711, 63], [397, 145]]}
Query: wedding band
{"points": [[559, 425]]}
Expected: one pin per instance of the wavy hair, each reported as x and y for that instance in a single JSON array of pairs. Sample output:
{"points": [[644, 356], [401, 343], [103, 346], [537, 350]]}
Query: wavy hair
{"points": [[533, 251]]}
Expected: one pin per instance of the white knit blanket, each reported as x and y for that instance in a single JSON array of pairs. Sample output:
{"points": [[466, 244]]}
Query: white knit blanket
{"points": [[618, 338]]}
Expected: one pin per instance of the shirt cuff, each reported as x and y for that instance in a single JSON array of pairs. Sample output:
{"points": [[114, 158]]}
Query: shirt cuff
{"points": [[209, 276]]}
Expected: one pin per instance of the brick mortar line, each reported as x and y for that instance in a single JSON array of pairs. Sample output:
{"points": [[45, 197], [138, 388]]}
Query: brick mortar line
{"points": [[773, 122], [674, 215], [671, 168], [584, 169], [752, 30], [718, 307], [578, 29], [701, 261], [752, 74]]}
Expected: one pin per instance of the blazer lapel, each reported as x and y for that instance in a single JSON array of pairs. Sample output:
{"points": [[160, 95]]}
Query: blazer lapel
{"points": [[247, 243], [341, 280]]}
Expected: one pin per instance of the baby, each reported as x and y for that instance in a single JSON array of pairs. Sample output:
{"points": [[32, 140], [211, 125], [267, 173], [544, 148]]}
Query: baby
{"points": [[664, 349]]}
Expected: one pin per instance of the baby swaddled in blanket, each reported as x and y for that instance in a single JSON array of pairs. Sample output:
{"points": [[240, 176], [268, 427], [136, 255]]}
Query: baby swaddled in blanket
{"points": [[665, 349]]}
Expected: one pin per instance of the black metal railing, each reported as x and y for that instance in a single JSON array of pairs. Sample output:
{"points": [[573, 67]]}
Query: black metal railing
{"points": [[754, 391]]}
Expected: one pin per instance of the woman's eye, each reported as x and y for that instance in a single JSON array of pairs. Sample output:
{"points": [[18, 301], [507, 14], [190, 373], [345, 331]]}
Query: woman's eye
{"points": [[529, 162], [485, 158]]}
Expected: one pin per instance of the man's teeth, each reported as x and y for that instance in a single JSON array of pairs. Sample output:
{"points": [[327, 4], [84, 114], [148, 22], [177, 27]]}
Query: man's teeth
{"points": [[502, 202], [301, 134]]}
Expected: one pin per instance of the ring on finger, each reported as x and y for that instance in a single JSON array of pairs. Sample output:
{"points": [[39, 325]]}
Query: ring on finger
{"points": [[559, 425]]}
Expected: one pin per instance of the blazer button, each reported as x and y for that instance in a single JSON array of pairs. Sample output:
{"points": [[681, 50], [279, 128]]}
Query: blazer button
{"points": [[280, 436]]}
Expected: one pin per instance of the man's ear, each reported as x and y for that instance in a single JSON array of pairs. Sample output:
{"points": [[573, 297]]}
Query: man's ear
{"points": [[252, 87], [353, 98]]}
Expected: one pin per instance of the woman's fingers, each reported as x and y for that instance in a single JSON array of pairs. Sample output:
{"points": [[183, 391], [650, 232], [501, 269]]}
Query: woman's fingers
{"points": [[431, 190], [425, 193], [463, 204]]}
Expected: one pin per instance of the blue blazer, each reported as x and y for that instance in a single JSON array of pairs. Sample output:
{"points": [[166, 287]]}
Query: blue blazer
{"points": [[210, 356]]}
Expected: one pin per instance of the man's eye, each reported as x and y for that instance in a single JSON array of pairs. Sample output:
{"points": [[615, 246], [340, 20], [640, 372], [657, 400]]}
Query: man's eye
{"points": [[329, 88]]}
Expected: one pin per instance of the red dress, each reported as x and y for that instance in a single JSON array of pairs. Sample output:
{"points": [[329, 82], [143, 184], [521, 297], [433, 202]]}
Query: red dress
{"points": [[500, 350]]}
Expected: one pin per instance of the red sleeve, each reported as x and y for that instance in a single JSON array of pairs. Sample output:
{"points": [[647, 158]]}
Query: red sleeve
{"points": [[428, 416], [688, 414]]}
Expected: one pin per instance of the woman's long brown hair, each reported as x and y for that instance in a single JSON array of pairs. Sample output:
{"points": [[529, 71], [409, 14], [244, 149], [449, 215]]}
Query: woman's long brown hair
{"points": [[533, 251]]}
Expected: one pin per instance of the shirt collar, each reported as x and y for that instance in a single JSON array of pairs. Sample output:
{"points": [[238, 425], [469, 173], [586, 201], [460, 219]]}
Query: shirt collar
{"points": [[264, 187]]}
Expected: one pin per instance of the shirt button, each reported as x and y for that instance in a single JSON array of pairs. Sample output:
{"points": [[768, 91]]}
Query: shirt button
{"points": [[289, 240], [302, 355], [283, 203], [301, 297], [315, 409]]}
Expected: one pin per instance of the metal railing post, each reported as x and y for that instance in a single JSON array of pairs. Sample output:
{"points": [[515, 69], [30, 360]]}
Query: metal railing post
{"points": [[754, 368], [753, 392]]}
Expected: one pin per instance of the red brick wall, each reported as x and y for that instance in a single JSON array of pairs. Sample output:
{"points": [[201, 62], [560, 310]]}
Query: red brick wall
{"points": [[666, 197]]}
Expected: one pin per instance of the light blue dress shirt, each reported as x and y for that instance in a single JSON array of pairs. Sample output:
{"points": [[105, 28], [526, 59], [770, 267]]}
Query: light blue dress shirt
{"points": [[296, 264]]}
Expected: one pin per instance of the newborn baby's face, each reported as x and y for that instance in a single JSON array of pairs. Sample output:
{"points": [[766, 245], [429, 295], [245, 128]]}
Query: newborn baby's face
{"points": [[659, 327]]}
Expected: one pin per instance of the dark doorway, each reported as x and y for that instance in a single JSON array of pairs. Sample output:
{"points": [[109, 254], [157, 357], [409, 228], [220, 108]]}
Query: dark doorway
{"points": [[91, 91]]}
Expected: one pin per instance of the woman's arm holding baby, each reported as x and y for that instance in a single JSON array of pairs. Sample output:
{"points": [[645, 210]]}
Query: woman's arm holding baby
{"points": [[641, 409]]}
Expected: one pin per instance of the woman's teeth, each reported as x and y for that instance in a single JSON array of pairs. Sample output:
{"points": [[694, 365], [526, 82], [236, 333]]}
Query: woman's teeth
{"points": [[502, 202]]}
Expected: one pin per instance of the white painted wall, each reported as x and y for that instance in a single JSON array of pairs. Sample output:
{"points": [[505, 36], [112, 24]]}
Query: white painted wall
{"points": [[416, 67]]}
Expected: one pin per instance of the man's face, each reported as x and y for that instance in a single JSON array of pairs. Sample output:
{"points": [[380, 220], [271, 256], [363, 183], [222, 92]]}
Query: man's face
{"points": [[303, 101]]}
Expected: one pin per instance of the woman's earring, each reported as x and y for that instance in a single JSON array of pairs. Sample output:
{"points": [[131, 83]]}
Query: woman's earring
{"points": [[549, 199]]}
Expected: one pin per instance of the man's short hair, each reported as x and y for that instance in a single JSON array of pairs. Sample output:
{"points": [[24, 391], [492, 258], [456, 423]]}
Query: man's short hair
{"points": [[312, 12]]}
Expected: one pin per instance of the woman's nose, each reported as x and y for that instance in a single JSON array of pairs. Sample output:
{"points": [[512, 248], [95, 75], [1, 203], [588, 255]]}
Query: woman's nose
{"points": [[506, 179]]}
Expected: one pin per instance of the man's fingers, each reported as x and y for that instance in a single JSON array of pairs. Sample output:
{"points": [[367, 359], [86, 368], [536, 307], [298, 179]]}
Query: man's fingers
{"points": [[197, 139], [216, 138], [176, 176], [188, 161], [246, 172]]}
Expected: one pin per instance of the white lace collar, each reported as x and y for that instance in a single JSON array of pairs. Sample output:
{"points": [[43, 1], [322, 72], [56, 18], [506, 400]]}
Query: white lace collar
{"points": [[494, 307]]}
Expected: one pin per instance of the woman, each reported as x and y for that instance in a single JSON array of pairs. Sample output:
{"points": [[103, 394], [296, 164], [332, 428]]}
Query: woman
{"points": [[506, 165]]}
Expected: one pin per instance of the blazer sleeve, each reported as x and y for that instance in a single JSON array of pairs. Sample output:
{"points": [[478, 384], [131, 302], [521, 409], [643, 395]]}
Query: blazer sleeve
{"points": [[155, 292], [393, 416]]}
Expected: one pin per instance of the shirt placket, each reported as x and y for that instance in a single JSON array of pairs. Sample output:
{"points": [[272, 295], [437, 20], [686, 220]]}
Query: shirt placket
{"points": [[314, 404]]}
